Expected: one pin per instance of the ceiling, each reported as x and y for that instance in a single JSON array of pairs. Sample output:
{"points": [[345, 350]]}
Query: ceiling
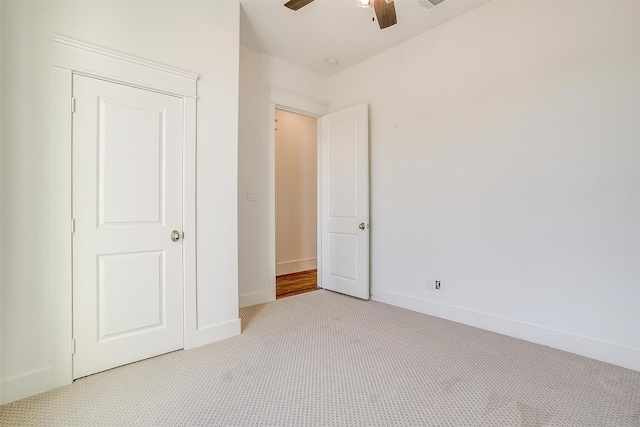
{"points": [[335, 29]]}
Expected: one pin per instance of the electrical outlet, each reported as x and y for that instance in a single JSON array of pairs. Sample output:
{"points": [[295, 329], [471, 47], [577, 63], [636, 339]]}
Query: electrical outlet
{"points": [[437, 285]]}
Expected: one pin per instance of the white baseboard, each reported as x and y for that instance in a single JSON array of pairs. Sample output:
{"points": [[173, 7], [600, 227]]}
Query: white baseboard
{"points": [[295, 266], [29, 384], [254, 298], [36, 382], [213, 333], [605, 352]]}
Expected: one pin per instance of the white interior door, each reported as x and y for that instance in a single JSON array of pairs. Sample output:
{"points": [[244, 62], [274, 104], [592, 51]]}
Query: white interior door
{"points": [[345, 201], [127, 200]]}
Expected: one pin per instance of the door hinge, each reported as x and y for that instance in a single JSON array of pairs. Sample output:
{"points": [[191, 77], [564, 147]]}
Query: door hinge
{"points": [[73, 105], [73, 225], [73, 346]]}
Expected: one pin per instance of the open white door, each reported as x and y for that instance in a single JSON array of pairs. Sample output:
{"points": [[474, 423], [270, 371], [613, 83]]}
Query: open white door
{"points": [[345, 201], [127, 206]]}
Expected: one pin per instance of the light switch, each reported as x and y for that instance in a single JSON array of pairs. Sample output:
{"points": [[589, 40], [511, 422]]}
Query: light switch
{"points": [[251, 196]]}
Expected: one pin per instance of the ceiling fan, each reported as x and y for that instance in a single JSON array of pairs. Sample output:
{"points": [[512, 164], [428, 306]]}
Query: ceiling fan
{"points": [[385, 9]]}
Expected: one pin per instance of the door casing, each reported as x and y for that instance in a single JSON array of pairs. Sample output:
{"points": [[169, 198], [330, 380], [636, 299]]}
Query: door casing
{"points": [[74, 57], [292, 102], [300, 104]]}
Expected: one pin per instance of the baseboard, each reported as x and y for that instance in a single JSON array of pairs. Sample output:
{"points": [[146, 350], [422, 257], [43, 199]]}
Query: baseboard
{"points": [[36, 382], [295, 266], [625, 357], [25, 385], [210, 334], [254, 298]]}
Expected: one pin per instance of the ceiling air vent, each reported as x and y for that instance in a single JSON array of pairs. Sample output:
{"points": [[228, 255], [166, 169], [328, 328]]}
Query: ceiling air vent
{"points": [[429, 3]]}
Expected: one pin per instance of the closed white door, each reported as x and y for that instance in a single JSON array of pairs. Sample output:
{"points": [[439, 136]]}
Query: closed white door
{"points": [[127, 201], [345, 201]]}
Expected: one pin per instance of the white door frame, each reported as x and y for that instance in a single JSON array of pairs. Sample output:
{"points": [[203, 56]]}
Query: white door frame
{"points": [[292, 102], [73, 57]]}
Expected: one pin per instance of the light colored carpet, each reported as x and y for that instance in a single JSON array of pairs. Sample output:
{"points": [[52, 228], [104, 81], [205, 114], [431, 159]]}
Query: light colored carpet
{"points": [[323, 359]]}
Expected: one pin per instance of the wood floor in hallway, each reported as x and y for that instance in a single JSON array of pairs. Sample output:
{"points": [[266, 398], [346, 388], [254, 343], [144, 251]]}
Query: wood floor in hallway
{"points": [[296, 283]]}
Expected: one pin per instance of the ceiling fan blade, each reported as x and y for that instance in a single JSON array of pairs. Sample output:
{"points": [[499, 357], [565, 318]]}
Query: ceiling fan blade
{"points": [[297, 4], [385, 12]]}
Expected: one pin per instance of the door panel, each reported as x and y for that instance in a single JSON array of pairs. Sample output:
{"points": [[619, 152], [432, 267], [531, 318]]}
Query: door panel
{"points": [[124, 280], [342, 168], [343, 256], [345, 201], [122, 128], [127, 198]]}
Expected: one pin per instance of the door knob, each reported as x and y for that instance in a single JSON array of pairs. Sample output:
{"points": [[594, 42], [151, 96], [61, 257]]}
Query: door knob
{"points": [[175, 235], [361, 226]]}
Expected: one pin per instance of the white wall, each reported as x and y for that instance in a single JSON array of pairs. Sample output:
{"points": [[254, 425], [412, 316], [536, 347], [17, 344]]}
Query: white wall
{"points": [[505, 163], [296, 192], [202, 37], [259, 72]]}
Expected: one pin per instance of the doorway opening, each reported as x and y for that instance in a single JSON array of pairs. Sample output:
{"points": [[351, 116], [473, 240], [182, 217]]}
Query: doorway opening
{"points": [[295, 203]]}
